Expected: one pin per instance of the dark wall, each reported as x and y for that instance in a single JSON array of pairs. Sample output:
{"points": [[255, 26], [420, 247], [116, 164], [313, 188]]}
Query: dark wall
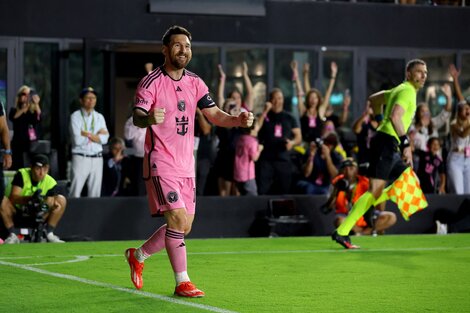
{"points": [[299, 23], [217, 217]]}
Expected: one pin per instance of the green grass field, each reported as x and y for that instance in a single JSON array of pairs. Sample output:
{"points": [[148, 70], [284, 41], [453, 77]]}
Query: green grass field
{"points": [[419, 273]]}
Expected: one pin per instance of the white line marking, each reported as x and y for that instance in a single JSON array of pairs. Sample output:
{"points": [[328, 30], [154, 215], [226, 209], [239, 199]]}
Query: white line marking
{"points": [[339, 250], [78, 258], [118, 288]]}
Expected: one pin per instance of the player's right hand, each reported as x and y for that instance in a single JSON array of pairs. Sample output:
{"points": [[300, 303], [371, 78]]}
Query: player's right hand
{"points": [[156, 116]]}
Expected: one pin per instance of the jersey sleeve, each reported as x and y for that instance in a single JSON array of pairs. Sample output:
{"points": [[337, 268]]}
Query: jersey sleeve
{"points": [[145, 97], [203, 96], [405, 97]]}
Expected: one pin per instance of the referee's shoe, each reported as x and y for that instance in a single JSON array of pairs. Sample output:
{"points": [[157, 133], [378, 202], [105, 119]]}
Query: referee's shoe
{"points": [[345, 241]]}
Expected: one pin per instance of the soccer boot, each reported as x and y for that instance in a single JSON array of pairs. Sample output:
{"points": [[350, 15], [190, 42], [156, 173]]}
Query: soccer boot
{"points": [[187, 289], [51, 237], [136, 268], [345, 241]]}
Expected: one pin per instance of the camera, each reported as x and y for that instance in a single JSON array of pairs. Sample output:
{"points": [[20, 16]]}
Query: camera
{"points": [[342, 185], [36, 206], [319, 142]]}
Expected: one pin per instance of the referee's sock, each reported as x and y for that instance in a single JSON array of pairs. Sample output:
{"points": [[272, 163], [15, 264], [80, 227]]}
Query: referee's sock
{"points": [[358, 210]]}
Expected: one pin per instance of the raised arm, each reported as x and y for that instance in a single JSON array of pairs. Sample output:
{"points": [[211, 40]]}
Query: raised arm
{"points": [[249, 95], [221, 86], [306, 74], [455, 77], [326, 100], [298, 87], [346, 103]]}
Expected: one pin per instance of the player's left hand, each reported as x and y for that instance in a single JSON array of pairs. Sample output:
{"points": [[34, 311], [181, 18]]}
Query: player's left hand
{"points": [[246, 119]]}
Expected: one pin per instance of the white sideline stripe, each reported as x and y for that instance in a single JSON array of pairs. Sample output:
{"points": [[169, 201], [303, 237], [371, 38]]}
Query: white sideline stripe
{"points": [[78, 258], [339, 250], [117, 288]]}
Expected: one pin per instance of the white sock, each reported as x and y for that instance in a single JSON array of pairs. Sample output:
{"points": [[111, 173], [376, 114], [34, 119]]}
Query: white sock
{"points": [[140, 255], [181, 277]]}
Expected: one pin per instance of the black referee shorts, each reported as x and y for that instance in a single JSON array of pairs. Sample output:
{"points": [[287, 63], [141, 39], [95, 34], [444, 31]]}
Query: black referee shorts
{"points": [[385, 158]]}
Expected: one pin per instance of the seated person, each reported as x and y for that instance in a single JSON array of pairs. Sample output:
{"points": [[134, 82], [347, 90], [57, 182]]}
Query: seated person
{"points": [[348, 186], [30, 186]]}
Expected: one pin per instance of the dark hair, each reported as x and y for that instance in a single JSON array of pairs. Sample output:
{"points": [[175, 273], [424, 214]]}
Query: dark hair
{"points": [[431, 140], [273, 91], [175, 30], [412, 63], [418, 122]]}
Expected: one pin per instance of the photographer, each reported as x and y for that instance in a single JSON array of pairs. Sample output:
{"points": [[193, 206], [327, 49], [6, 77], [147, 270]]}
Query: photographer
{"points": [[33, 194], [320, 166], [348, 186]]}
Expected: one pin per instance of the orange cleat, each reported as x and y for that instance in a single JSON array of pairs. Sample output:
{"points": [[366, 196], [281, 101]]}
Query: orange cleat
{"points": [[136, 268], [187, 289]]}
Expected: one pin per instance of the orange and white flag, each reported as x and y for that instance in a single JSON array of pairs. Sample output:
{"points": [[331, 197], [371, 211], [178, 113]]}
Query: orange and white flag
{"points": [[406, 193]]}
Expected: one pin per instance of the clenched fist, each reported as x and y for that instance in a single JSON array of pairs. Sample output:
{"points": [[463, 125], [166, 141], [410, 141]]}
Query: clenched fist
{"points": [[246, 119], [156, 116]]}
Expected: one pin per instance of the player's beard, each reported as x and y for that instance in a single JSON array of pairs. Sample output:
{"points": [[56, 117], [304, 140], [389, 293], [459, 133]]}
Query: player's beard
{"points": [[179, 64]]}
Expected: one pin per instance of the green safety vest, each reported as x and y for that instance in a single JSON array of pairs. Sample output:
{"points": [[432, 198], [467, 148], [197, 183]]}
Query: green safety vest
{"points": [[28, 189]]}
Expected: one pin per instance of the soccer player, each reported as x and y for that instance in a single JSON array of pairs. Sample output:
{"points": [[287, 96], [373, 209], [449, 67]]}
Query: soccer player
{"points": [[165, 104], [390, 152]]}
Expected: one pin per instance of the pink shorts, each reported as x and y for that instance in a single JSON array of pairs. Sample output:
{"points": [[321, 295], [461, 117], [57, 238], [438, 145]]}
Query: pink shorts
{"points": [[166, 194]]}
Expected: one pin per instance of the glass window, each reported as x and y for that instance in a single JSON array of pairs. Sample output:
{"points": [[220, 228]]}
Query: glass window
{"points": [[3, 77], [283, 74], [39, 67], [73, 80], [256, 60], [204, 64], [438, 74]]}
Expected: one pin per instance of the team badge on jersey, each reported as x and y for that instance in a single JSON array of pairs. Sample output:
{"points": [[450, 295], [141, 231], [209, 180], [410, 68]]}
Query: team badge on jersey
{"points": [[181, 105], [172, 196]]}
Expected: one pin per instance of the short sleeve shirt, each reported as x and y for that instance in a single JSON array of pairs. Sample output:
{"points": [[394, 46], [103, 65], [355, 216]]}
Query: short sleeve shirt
{"points": [[403, 95], [169, 145]]}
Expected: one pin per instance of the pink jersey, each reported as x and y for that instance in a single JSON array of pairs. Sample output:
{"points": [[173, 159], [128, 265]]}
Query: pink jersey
{"points": [[244, 167], [169, 146]]}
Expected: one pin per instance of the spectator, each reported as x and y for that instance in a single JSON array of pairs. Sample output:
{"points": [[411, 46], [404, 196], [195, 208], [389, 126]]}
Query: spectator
{"points": [[225, 157], [348, 186], [204, 138], [89, 134], [458, 160], [279, 134], [312, 113], [364, 128], [116, 170], [30, 185], [135, 137], [426, 127], [242, 104], [247, 153], [431, 170], [25, 116], [320, 166]]}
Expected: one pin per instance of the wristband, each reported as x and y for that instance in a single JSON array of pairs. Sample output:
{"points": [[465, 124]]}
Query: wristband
{"points": [[379, 117], [7, 151], [404, 142]]}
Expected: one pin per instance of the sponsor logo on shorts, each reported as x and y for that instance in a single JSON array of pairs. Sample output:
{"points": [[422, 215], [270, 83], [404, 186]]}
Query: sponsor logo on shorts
{"points": [[172, 196]]}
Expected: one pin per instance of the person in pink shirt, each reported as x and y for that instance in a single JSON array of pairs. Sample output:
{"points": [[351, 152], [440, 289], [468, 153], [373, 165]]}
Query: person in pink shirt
{"points": [[165, 104]]}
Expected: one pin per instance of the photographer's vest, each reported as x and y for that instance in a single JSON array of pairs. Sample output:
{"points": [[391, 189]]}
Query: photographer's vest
{"points": [[28, 189]]}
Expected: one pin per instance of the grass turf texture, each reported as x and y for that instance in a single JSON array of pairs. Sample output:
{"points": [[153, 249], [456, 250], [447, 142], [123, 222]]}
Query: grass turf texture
{"points": [[412, 273]]}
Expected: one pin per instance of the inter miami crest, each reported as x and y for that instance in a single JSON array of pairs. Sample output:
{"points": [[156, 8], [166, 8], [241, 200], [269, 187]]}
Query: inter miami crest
{"points": [[172, 196], [181, 105]]}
